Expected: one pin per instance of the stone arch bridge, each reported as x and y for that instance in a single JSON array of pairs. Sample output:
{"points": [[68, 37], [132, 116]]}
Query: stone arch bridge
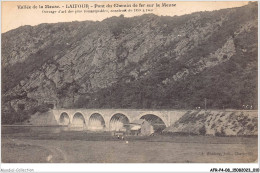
{"points": [[114, 119]]}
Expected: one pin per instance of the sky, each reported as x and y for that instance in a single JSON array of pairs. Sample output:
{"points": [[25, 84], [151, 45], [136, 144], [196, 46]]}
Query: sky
{"points": [[13, 17]]}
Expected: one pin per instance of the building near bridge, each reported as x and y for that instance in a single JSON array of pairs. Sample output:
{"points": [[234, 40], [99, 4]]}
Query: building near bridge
{"points": [[139, 127]]}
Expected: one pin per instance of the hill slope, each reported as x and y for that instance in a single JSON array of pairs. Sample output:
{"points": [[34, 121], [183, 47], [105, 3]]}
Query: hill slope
{"points": [[215, 122], [140, 62]]}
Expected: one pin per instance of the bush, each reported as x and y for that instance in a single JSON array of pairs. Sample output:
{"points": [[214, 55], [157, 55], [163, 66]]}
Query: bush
{"points": [[11, 116], [41, 108], [221, 133], [202, 130]]}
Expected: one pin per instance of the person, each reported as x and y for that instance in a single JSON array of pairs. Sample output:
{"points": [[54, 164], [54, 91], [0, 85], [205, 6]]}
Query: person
{"points": [[123, 138], [117, 136]]}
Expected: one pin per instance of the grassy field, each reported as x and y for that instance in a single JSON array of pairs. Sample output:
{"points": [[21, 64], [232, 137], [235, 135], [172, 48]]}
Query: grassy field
{"points": [[44, 145]]}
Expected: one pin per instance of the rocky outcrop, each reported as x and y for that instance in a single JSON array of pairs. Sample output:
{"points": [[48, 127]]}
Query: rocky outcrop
{"points": [[71, 62], [217, 123], [42, 119]]}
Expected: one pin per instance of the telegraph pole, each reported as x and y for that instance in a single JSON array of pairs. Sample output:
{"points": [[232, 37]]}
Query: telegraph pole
{"points": [[73, 76], [205, 104]]}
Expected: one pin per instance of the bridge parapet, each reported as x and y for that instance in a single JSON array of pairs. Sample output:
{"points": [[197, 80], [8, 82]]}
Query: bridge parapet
{"points": [[169, 117], [107, 114]]}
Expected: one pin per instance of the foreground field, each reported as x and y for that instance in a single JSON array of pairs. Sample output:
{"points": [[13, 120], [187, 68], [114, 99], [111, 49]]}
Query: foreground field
{"points": [[44, 145]]}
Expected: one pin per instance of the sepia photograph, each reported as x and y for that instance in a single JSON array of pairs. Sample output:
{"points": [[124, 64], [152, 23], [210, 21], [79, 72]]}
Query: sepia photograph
{"points": [[129, 82]]}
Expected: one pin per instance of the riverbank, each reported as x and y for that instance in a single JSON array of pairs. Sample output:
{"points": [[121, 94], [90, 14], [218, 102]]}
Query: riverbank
{"points": [[48, 145]]}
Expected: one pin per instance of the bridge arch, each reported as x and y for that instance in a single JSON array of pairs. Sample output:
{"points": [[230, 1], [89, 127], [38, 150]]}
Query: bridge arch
{"points": [[158, 122], [96, 122], [64, 119], [78, 120], [117, 121]]}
